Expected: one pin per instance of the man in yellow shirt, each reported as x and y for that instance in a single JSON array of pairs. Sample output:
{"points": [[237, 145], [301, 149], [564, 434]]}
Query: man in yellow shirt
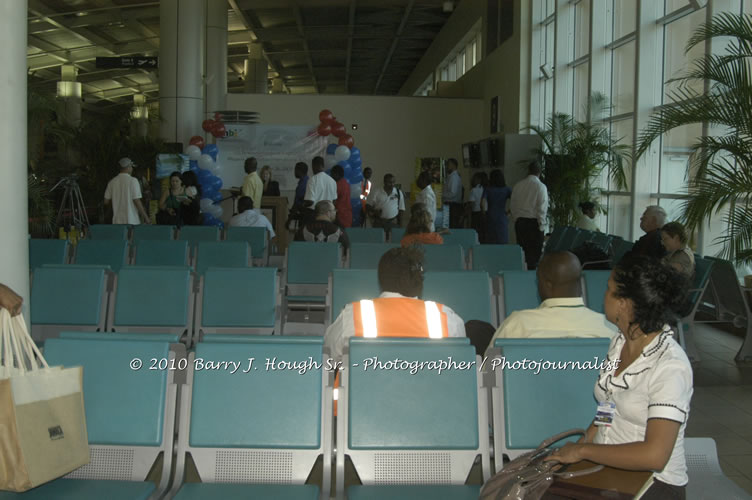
{"points": [[253, 186]]}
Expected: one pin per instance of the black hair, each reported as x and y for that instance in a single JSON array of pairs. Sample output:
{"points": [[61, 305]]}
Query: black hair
{"points": [[497, 178], [453, 161], [586, 206], [423, 180], [317, 163], [657, 291], [302, 168], [176, 174], [190, 178], [534, 168], [337, 172], [401, 271], [245, 203], [250, 165]]}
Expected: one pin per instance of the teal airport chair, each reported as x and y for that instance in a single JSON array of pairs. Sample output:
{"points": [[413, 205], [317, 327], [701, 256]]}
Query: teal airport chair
{"points": [[411, 435], [265, 443]]}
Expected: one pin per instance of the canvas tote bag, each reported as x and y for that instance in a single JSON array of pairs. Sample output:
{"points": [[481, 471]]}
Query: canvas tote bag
{"points": [[42, 419]]}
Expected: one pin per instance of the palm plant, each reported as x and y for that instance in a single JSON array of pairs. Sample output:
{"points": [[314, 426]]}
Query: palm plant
{"points": [[721, 165], [576, 153]]}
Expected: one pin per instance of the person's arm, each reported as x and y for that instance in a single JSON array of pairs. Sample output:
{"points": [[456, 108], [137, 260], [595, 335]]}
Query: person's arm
{"points": [[10, 300], [652, 453], [542, 207], [141, 211], [163, 200]]}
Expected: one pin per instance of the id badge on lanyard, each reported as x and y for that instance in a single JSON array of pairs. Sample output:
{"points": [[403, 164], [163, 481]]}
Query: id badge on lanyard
{"points": [[604, 415]]}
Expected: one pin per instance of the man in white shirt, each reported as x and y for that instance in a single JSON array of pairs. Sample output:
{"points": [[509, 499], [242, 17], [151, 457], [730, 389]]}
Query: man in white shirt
{"points": [[320, 186], [562, 312], [426, 195], [452, 195], [529, 206], [124, 193], [248, 217], [386, 205]]}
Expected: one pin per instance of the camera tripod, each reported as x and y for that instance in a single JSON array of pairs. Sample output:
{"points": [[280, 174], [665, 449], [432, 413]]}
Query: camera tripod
{"points": [[72, 212]]}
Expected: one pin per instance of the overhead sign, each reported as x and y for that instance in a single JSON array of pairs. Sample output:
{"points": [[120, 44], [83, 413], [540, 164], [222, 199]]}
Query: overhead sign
{"points": [[145, 62]]}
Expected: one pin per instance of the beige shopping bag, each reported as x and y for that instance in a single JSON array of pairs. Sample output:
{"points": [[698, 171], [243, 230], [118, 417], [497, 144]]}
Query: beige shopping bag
{"points": [[42, 419]]}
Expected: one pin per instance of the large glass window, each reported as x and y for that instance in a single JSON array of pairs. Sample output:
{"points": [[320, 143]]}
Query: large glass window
{"points": [[580, 97], [625, 17], [623, 78], [582, 28], [675, 61]]}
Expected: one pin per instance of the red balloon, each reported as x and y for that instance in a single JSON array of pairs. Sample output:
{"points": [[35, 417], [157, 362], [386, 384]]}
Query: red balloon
{"points": [[338, 130], [326, 116], [217, 116], [207, 125], [347, 140], [219, 130], [324, 129], [197, 140]]}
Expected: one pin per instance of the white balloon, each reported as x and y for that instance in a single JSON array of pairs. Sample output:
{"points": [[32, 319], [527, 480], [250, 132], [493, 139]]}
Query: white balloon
{"points": [[329, 162], [215, 168], [205, 162], [342, 153], [193, 152], [216, 211], [205, 204]]}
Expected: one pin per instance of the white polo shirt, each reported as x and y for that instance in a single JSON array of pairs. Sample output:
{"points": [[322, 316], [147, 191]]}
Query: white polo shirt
{"points": [[122, 190], [428, 198], [656, 385], [252, 218], [389, 204], [321, 187], [530, 200]]}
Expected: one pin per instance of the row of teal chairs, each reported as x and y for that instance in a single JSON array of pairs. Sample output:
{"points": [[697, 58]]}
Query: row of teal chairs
{"points": [[473, 295], [164, 249], [567, 238], [446, 257], [464, 237], [118, 253], [155, 299], [265, 443]]}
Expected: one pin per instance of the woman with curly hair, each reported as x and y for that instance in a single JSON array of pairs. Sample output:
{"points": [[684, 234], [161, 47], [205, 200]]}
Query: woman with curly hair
{"points": [[643, 397], [419, 228]]}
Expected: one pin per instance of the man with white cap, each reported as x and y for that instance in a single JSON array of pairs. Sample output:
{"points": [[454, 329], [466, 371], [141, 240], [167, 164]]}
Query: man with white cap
{"points": [[124, 192]]}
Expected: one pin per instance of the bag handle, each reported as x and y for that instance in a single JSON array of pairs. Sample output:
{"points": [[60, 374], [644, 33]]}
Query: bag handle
{"points": [[18, 346], [563, 435], [32, 351]]}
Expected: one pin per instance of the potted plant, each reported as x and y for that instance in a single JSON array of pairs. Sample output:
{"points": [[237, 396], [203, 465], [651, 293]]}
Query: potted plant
{"points": [[575, 153], [720, 165]]}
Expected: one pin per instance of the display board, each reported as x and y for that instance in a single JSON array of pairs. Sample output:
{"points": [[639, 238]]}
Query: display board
{"points": [[279, 146]]}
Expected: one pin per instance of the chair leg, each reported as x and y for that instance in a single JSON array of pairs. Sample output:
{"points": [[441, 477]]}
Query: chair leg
{"points": [[686, 340]]}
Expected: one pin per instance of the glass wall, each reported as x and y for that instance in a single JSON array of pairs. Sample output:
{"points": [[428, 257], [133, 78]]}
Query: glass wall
{"points": [[600, 52]]}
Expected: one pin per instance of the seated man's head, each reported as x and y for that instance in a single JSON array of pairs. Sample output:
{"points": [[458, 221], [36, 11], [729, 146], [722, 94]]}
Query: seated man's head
{"points": [[588, 208], [388, 183], [250, 165], [653, 218], [559, 276], [325, 210], [245, 203], [401, 271]]}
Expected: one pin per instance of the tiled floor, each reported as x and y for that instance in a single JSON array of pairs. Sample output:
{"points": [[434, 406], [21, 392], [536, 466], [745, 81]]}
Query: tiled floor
{"points": [[722, 402]]}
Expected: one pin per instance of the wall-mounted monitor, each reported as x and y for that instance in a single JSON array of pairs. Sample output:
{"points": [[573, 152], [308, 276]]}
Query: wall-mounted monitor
{"points": [[490, 153], [471, 155]]}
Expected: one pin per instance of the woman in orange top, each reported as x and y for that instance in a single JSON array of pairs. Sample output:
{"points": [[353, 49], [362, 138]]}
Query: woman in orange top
{"points": [[419, 229]]}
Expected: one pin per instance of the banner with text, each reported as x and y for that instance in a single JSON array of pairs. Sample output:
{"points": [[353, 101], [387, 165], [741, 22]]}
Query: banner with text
{"points": [[279, 146]]}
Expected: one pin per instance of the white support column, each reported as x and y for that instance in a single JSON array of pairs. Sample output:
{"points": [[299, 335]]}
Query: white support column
{"points": [[256, 70], [181, 66], [537, 59], [14, 242], [647, 94], [216, 57], [600, 57]]}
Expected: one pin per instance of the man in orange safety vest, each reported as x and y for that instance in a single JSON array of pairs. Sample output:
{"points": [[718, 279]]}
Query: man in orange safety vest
{"points": [[398, 311]]}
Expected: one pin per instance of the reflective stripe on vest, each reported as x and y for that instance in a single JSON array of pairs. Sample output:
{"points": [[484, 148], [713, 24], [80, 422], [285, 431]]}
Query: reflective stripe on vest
{"points": [[399, 317]]}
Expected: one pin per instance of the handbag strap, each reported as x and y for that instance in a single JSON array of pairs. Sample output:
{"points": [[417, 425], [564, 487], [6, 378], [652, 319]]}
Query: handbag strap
{"points": [[578, 473], [18, 349], [558, 437]]}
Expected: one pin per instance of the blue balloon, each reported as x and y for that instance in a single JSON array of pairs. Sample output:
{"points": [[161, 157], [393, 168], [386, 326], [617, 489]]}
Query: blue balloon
{"points": [[204, 178], [356, 178], [193, 165], [356, 163], [215, 183], [344, 164], [331, 148], [354, 152], [209, 220], [216, 197], [211, 150], [348, 170]]}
